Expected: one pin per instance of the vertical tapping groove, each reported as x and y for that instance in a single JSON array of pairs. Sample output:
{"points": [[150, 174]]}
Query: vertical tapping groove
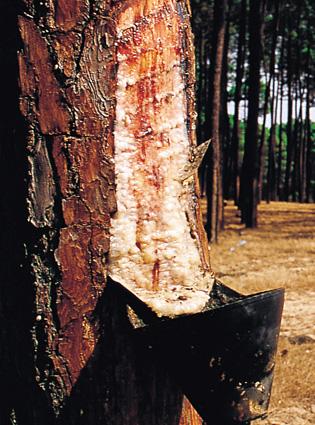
{"points": [[154, 250]]}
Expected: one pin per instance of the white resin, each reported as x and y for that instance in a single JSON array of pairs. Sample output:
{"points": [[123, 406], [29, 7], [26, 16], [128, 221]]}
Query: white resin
{"points": [[163, 240]]}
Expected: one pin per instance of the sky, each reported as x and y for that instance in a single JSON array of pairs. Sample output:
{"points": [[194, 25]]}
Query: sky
{"points": [[243, 109]]}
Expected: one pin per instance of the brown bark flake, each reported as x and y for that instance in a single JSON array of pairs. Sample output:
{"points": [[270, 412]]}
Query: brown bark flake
{"points": [[41, 186], [69, 14], [39, 83], [67, 51], [92, 95]]}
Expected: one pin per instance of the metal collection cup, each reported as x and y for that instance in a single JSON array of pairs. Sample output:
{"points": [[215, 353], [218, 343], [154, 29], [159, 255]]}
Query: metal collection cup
{"points": [[222, 357]]}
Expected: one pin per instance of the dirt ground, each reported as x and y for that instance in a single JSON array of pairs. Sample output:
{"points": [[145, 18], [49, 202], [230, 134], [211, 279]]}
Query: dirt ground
{"points": [[279, 253]]}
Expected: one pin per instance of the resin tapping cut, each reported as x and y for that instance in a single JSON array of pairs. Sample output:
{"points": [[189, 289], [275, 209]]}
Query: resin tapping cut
{"points": [[156, 247]]}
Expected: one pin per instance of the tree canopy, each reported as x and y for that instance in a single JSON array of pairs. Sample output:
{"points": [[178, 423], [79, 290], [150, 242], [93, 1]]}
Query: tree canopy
{"points": [[266, 146]]}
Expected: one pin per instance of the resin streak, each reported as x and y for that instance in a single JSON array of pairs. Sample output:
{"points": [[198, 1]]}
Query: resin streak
{"points": [[155, 248]]}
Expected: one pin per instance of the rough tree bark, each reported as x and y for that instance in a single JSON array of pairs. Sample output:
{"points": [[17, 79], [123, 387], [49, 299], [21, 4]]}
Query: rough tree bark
{"points": [[67, 353]]}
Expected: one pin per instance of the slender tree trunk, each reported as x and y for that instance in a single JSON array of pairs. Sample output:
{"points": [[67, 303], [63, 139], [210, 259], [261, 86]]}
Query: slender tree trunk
{"points": [[308, 130], [276, 114], [287, 183], [302, 153], [262, 139], [306, 127], [250, 167], [280, 150], [225, 121], [68, 356], [205, 130], [271, 174], [298, 138], [268, 100], [296, 148], [200, 92], [308, 137], [214, 189], [201, 28], [235, 172], [280, 134]]}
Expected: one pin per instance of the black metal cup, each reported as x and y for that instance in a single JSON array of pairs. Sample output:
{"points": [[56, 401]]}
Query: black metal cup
{"points": [[223, 357]]}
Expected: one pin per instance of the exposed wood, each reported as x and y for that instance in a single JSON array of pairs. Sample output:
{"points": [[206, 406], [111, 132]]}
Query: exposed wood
{"points": [[152, 146]]}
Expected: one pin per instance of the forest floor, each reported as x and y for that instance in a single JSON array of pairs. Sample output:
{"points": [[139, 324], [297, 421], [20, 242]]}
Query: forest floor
{"points": [[279, 253]]}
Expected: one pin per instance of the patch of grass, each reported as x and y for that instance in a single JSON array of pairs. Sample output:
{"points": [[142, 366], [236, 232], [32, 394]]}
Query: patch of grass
{"points": [[294, 377], [280, 252]]}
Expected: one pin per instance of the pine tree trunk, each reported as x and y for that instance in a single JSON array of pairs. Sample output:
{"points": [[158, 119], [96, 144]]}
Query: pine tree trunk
{"points": [[271, 175], [250, 167], [280, 134], [235, 171], [225, 130], [214, 187], [262, 140], [302, 152], [68, 356], [273, 134], [267, 102], [308, 133], [287, 183], [298, 140]]}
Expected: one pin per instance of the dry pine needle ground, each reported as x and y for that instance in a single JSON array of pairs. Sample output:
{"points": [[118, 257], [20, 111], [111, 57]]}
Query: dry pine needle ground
{"points": [[279, 253]]}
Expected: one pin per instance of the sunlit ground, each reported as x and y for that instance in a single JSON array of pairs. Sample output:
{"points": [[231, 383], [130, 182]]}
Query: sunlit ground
{"points": [[279, 253]]}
